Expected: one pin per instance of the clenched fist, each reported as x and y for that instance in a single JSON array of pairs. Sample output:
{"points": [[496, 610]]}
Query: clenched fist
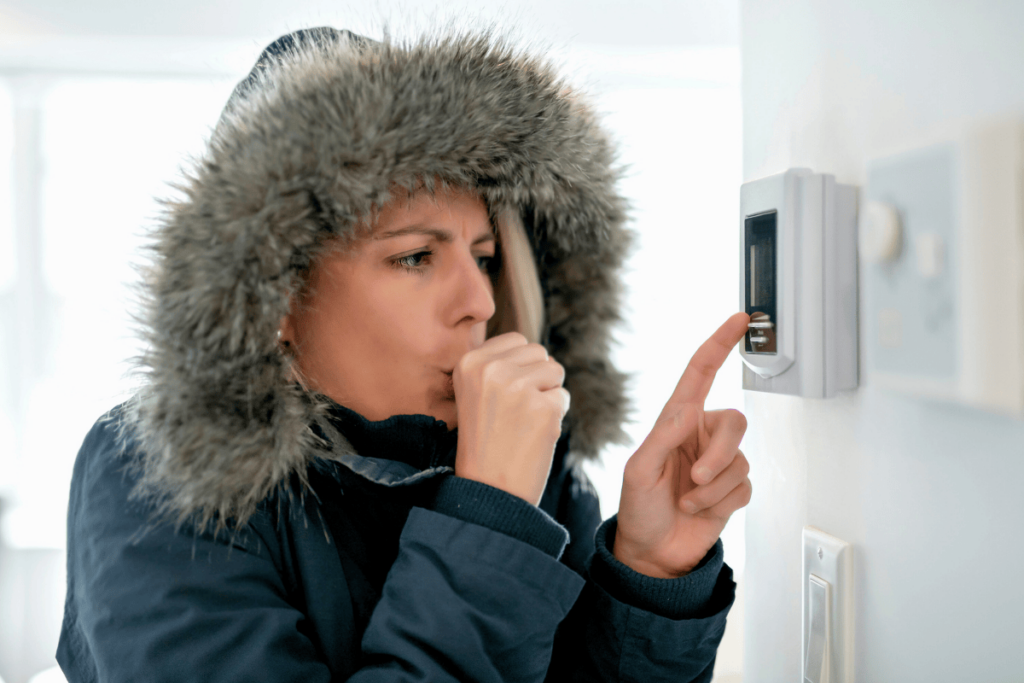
{"points": [[510, 403]]}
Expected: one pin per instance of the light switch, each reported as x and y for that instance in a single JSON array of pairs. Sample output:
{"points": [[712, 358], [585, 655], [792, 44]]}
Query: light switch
{"points": [[827, 608], [816, 664]]}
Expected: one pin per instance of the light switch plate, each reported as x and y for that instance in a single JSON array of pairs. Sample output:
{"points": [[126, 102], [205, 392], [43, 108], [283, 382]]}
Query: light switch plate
{"points": [[830, 559]]}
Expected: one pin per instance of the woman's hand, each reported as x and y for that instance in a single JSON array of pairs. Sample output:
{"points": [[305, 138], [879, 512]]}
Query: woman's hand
{"points": [[510, 405], [688, 476]]}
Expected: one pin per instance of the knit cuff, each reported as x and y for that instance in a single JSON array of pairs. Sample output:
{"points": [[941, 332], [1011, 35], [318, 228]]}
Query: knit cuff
{"points": [[688, 597], [477, 503]]}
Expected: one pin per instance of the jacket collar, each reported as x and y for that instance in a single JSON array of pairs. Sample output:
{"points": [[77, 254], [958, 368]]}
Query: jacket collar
{"points": [[398, 451]]}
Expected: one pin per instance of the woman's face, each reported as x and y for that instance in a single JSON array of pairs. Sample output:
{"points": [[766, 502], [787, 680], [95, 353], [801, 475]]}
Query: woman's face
{"points": [[382, 324]]}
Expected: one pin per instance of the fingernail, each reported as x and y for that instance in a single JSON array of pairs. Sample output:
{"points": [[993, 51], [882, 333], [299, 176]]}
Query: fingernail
{"points": [[690, 507], [703, 474]]}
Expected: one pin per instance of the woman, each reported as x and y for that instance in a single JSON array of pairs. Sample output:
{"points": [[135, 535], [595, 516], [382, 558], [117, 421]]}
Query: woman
{"points": [[354, 457]]}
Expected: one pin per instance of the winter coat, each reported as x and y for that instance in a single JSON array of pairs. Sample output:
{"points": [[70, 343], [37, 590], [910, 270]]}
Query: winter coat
{"points": [[225, 524]]}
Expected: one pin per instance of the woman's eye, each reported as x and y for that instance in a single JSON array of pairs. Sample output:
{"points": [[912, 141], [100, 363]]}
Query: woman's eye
{"points": [[412, 261], [419, 261]]}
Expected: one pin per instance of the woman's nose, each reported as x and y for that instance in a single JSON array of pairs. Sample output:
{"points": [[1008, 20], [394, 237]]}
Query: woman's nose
{"points": [[473, 295]]}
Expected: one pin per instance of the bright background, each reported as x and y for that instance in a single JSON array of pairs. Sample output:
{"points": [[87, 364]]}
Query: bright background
{"points": [[100, 109]]}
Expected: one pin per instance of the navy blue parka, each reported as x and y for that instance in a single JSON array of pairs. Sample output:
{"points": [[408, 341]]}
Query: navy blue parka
{"points": [[395, 571]]}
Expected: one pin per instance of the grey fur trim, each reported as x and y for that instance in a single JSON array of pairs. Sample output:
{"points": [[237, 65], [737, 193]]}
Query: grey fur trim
{"points": [[297, 160]]}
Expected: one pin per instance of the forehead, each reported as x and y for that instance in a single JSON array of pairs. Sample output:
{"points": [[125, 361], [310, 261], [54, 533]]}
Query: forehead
{"points": [[461, 211]]}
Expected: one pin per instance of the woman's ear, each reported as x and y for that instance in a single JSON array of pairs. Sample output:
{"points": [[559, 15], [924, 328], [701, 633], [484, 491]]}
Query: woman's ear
{"points": [[286, 332], [286, 343]]}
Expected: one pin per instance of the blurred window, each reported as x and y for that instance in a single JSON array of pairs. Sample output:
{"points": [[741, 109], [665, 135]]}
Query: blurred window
{"points": [[108, 149]]}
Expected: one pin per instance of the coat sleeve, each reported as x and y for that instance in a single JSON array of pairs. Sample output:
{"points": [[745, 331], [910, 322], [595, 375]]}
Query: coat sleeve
{"points": [[461, 601], [626, 626], [464, 603]]}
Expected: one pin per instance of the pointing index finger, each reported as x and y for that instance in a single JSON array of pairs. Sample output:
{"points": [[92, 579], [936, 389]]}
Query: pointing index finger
{"points": [[694, 385]]}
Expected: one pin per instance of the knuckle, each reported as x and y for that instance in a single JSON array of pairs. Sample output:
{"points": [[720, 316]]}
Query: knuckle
{"points": [[492, 373], [747, 490], [669, 421], [555, 401], [538, 406], [744, 464], [549, 414], [738, 419], [535, 347], [630, 471], [556, 396], [560, 370], [518, 385]]}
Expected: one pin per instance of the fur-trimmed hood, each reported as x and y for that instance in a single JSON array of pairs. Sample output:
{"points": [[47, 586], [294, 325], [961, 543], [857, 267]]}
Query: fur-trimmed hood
{"points": [[310, 141]]}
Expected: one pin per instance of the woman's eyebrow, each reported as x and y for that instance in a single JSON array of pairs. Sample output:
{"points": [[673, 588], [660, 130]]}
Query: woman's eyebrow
{"points": [[442, 236]]}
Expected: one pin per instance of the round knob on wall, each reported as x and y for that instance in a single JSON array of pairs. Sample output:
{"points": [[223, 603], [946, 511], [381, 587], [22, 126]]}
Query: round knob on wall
{"points": [[881, 234]]}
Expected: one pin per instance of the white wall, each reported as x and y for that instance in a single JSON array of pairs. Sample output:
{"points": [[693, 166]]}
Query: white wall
{"points": [[928, 493]]}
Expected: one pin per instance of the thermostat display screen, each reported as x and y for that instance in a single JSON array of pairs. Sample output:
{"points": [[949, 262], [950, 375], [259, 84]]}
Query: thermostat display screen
{"points": [[761, 233]]}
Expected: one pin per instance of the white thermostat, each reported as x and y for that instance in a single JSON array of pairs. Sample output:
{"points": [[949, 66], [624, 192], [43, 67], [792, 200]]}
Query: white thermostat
{"points": [[798, 283]]}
